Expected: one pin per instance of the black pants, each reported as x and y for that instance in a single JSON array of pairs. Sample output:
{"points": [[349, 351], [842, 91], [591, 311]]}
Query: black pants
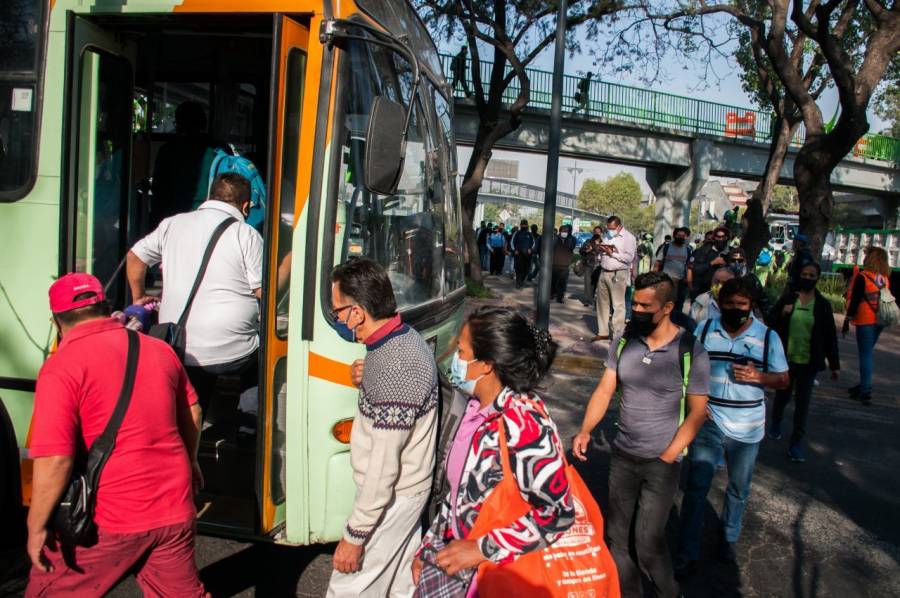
{"points": [[204, 378], [497, 259], [641, 493], [801, 386], [558, 283], [523, 263]]}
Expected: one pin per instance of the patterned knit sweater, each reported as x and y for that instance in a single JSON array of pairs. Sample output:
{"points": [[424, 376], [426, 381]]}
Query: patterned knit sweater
{"points": [[392, 446]]}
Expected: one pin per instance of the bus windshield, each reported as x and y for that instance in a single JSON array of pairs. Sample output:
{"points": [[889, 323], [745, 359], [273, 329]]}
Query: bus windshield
{"points": [[413, 233], [21, 47]]}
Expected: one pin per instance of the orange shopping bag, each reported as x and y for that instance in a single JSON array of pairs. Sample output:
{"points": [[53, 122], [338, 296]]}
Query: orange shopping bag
{"points": [[577, 565]]}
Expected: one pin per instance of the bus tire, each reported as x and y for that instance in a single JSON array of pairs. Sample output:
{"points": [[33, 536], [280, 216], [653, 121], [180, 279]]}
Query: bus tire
{"points": [[12, 513]]}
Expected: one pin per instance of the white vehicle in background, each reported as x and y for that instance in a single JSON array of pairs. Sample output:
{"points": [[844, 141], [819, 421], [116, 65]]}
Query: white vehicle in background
{"points": [[783, 227]]}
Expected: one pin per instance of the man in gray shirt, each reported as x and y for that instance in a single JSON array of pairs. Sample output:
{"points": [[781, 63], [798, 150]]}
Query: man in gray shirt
{"points": [[673, 260], [664, 377]]}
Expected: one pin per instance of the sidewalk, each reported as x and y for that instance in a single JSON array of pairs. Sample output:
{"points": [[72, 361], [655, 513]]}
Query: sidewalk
{"points": [[829, 527]]}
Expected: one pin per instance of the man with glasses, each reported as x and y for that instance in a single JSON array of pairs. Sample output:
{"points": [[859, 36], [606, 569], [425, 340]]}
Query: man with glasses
{"points": [[705, 261], [392, 448]]}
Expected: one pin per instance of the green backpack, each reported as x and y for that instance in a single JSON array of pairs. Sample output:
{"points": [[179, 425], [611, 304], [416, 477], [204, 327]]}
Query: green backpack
{"points": [[686, 351]]}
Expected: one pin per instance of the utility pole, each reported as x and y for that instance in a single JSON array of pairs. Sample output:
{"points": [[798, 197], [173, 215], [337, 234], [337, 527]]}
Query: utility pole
{"points": [[574, 171], [549, 240]]}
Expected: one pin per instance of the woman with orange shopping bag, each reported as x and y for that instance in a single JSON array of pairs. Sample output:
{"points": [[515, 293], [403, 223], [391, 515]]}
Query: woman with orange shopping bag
{"points": [[517, 521]]}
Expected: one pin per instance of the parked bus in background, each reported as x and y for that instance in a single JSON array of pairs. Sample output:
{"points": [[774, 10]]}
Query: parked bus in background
{"points": [[88, 95]]}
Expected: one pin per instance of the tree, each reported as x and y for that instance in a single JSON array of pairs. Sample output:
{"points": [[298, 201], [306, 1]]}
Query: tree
{"points": [[491, 213], [784, 199], [614, 195], [590, 196], [515, 32], [887, 102], [854, 40]]}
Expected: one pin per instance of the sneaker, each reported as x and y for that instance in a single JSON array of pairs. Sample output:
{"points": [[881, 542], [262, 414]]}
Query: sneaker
{"points": [[775, 431], [727, 554], [866, 399], [853, 391], [796, 454]]}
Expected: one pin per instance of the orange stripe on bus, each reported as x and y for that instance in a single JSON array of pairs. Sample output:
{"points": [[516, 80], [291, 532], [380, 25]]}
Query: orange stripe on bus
{"points": [[226, 6], [328, 369]]}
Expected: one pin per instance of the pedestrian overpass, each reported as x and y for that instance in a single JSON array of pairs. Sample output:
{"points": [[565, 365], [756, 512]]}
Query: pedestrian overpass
{"points": [[681, 141], [503, 191]]}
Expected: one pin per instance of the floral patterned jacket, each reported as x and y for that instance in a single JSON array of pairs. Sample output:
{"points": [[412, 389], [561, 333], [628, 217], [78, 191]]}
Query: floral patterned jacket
{"points": [[539, 468]]}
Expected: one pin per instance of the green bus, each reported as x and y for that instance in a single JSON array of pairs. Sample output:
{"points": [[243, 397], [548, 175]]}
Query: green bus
{"points": [[88, 90]]}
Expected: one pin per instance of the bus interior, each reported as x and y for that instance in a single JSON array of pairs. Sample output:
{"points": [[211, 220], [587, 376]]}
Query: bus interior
{"points": [[148, 66]]}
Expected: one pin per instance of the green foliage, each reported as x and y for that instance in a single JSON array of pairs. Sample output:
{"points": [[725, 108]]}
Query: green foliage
{"points": [[615, 195], [491, 213], [831, 286], [887, 101], [785, 198], [478, 290]]}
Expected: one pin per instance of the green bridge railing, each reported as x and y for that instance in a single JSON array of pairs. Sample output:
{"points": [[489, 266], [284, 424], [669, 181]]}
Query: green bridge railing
{"points": [[635, 105]]}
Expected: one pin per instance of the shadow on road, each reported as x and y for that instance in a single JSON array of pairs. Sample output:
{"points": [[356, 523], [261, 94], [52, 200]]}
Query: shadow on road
{"points": [[269, 569]]}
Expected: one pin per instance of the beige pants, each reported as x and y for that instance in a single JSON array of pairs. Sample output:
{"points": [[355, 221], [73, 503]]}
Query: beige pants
{"points": [[387, 560], [611, 299]]}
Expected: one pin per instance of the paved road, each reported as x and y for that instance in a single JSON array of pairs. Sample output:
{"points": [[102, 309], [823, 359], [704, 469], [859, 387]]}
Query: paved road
{"points": [[826, 528]]}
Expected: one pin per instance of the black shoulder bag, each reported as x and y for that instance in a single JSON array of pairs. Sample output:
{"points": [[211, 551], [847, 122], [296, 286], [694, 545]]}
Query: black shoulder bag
{"points": [[173, 333], [73, 520]]}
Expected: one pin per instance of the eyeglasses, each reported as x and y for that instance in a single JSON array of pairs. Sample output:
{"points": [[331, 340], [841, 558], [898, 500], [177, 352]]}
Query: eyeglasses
{"points": [[338, 310]]}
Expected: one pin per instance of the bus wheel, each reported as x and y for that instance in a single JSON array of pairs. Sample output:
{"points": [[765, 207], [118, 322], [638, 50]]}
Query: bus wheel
{"points": [[12, 513]]}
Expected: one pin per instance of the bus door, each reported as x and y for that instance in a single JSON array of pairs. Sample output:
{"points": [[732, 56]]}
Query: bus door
{"points": [[98, 146], [292, 127]]}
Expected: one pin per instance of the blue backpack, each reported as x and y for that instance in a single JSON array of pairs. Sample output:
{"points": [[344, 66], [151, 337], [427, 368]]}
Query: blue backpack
{"points": [[765, 257], [225, 162]]}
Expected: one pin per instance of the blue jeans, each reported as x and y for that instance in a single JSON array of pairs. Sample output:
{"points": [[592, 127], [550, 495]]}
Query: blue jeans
{"points": [[629, 293], [485, 256], [705, 452], [866, 337]]}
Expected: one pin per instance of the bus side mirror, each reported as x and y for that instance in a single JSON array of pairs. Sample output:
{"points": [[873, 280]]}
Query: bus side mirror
{"points": [[385, 146]]}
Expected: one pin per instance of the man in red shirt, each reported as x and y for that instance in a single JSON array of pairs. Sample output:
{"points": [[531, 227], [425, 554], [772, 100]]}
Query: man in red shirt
{"points": [[144, 511]]}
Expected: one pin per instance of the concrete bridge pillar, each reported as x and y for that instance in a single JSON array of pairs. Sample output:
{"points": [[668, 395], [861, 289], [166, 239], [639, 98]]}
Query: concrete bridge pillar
{"points": [[675, 189]]}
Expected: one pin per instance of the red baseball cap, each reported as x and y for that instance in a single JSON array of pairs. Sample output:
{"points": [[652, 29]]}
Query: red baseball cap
{"points": [[66, 288]]}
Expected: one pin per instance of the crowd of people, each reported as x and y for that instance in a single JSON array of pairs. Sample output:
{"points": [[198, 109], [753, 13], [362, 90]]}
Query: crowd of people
{"points": [[691, 394]]}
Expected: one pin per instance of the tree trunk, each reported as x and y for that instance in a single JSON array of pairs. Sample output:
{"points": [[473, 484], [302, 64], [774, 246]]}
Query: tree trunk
{"points": [[755, 233], [812, 173], [816, 160]]}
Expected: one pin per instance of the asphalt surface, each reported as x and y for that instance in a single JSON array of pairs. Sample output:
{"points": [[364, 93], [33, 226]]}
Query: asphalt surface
{"points": [[829, 527]]}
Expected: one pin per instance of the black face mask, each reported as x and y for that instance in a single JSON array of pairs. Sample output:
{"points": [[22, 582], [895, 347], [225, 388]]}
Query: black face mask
{"points": [[806, 284], [733, 318], [720, 244], [679, 241], [642, 323], [524, 229]]}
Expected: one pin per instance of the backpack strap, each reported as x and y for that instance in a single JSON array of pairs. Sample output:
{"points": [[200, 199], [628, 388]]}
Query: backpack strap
{"points": [[204, 263], [705, 331], [621, 346], [214, 168], [686, 357], [766, 343]]}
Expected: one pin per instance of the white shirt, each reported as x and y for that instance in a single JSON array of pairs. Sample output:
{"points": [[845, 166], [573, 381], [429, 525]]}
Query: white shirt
{"points": [[224, 322], [623, 256]]}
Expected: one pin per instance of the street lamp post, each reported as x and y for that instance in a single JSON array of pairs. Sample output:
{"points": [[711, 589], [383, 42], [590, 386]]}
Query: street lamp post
{"points": [[548, 240], [574, 171]]}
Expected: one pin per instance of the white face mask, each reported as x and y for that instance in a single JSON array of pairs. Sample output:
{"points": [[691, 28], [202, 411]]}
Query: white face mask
{"points": [[457, 375], [563, 235]]}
